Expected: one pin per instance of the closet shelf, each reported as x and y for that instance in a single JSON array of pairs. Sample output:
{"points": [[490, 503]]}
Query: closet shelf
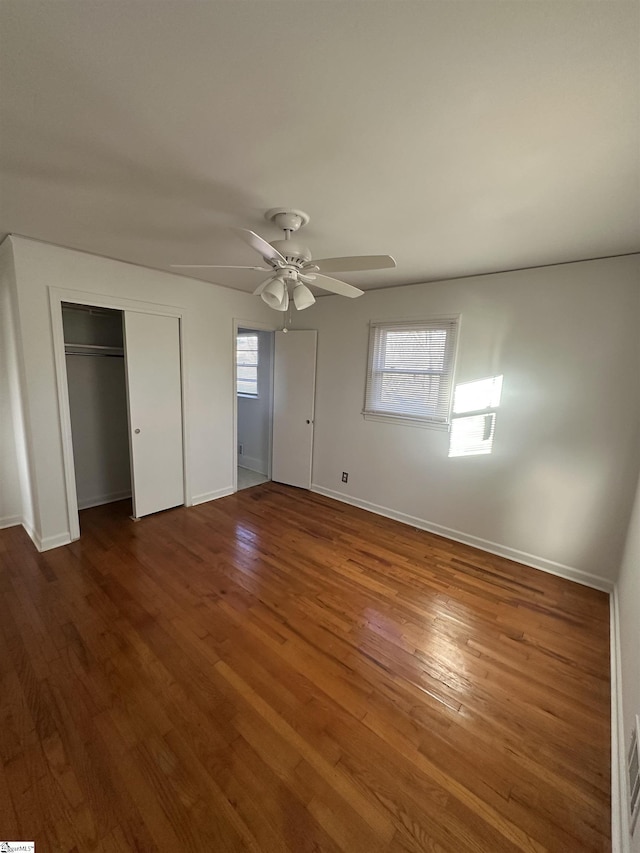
{"points": [[92, 349]]}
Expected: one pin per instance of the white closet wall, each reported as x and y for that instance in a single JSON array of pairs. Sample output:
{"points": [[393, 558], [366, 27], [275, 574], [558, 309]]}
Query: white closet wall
{"points": [[98, 407]]}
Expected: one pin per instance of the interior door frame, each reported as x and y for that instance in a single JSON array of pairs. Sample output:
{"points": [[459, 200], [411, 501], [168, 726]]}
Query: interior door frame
{"points": [[99, 300], [252, 326]]}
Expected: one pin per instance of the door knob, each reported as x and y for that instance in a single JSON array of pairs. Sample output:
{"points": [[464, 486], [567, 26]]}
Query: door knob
{"points": [[136, 431]]}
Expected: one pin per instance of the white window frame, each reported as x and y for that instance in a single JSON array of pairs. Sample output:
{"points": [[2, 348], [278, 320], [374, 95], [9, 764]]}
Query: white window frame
{"points": [[248, 394], [374, 408]]}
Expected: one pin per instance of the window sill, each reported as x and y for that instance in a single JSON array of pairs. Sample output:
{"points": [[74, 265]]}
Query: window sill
{"points": [[248, 396], [398, 419]]}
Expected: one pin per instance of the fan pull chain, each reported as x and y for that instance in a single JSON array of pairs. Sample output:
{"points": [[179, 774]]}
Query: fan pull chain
{"points": [[287, 319]]}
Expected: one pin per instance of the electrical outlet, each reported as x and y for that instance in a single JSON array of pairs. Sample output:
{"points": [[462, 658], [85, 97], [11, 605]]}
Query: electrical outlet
{"points": [[345, 477]]}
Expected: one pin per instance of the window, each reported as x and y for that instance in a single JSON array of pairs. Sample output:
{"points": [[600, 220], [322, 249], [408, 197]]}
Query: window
{"points": [[474, 416], [247, 364], [410, 374]]}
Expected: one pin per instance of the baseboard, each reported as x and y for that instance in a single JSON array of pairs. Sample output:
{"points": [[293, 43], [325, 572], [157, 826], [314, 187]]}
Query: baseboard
{"points": [[620, 836], [56, 541], [212, 496], [99, 500], [48, 542], [566, 572], [35, 538], [253, 464], [10, 521]]}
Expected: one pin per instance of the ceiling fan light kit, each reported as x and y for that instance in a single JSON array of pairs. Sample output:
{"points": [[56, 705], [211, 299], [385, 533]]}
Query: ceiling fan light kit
{"points": [[302, 297], [292, 263], [275, 294]]}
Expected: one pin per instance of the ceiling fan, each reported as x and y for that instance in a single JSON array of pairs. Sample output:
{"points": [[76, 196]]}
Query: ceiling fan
{"points": [[291, 266]]}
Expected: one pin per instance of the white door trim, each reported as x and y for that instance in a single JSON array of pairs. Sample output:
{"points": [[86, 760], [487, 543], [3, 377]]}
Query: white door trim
{"points": [[59, 295], [258, 327]]}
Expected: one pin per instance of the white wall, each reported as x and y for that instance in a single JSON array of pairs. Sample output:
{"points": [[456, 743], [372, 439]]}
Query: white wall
{"points": [[16, 503], [254, 414], [208, 325], [557, 489], [628, 604]]}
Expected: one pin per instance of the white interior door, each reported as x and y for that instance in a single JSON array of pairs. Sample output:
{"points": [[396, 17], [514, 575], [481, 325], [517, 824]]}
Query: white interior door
{"points": [[294, 388], [152, 348]]}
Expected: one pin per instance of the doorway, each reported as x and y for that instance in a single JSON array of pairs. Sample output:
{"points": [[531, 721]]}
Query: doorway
{"points": [[254, 391], [274, 369]]}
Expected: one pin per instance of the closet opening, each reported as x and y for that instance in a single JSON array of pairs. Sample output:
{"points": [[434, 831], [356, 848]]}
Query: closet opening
{"points": [[97, 386]]}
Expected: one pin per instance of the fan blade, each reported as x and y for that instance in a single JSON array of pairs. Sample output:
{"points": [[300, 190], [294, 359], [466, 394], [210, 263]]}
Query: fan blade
{"points": [[334, 285], [306, 279], [214, 267], [355, 263], [261, 246]]}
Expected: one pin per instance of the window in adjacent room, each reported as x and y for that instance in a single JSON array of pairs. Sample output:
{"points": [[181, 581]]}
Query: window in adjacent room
{"points": [[410, 373], [247, 364]]}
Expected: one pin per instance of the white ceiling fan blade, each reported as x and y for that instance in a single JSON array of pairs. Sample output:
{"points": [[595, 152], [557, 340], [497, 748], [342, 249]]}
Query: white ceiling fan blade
{"points": [[261, 246], [215, 267], [355, 263], [306, 279], [334, 285]]}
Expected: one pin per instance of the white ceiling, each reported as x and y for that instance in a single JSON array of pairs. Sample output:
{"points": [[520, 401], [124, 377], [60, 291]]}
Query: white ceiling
{"points": [[461, 137]]}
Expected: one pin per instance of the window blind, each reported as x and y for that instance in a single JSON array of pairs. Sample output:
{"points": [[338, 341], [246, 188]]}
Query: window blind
{"points": [[410, 372]]}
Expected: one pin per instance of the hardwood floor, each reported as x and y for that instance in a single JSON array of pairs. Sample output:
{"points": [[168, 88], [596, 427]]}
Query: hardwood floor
{"points": [[275, 671]]}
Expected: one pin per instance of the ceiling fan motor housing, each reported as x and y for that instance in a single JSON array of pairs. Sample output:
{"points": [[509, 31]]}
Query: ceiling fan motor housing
{"points": [[293, 251]]}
